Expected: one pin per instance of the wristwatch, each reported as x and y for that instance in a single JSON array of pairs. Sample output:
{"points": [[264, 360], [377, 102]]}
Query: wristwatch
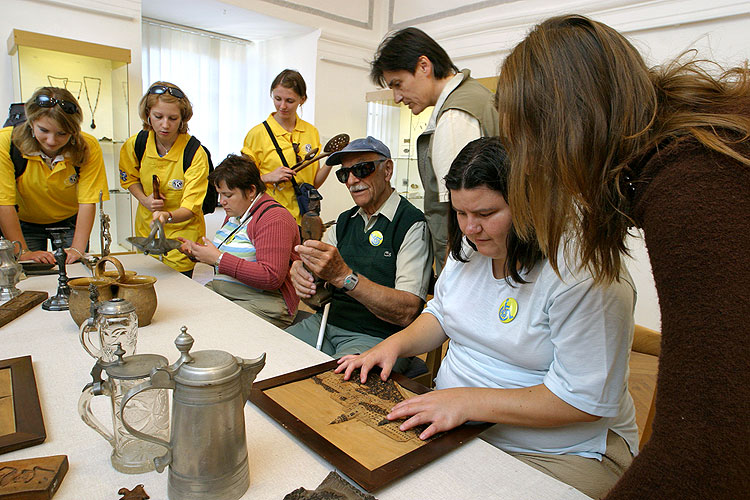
{"points": [[350, 282], [218, 261]]}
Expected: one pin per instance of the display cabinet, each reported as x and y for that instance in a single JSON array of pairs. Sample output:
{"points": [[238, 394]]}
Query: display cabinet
{"points": [[97, 76]]}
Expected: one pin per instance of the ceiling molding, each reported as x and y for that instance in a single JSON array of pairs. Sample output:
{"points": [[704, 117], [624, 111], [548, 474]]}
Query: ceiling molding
{"points": [[439, 15], [340, 50], [328, 15], [126, 9]]}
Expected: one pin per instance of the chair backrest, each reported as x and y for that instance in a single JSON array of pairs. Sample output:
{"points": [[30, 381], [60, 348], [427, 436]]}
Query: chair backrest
{"points": [[647, 341]]}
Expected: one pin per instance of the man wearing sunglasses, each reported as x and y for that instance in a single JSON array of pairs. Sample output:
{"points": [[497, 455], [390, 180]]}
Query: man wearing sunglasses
{"points": [[377, 258]]}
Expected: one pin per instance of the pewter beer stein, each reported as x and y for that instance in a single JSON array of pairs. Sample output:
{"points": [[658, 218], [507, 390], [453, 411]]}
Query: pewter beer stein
{"points": [[10, 269], [148, 412], [207, 452], [114, 322]]}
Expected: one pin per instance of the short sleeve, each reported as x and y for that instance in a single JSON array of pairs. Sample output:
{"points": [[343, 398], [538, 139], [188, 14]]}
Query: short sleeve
{"points": [[129, 166], [93, 176], [7, 172]]}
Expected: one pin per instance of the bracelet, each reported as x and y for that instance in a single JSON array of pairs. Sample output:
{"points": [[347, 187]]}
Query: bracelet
{"points": [[218, 261], [169, 219], [76, 251]]}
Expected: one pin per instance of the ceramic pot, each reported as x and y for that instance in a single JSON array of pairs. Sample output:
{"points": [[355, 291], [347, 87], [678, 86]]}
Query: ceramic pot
{"points": [[80, 302], [139, 291]]}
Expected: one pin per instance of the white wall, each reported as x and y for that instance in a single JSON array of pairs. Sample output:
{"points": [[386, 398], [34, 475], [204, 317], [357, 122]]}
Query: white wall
{"points": [[108, 22]]}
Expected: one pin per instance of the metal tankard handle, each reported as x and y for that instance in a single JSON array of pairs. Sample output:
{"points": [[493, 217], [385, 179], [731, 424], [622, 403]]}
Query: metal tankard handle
{"points": [[160, 379]]}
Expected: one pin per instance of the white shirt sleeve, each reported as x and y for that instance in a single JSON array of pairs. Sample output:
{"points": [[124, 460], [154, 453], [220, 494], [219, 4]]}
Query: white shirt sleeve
{"points": [[454, 130]]}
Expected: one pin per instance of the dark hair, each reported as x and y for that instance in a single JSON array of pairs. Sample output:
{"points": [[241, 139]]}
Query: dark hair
{"points": [[291, 79], [484, 163], [581, 110], [238, 171], [401, 51]]}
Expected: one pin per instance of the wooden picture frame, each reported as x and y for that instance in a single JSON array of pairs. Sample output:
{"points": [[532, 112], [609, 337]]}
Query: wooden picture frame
{"points": [[27, 418], [368, 477]]}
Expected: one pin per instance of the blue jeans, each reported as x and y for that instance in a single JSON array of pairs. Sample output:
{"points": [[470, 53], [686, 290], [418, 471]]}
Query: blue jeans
{"points": [[36, 235]]}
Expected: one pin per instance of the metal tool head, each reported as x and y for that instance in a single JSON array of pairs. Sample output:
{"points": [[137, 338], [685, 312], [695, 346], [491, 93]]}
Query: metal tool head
{"points": [[337, 143], [155, 243]]}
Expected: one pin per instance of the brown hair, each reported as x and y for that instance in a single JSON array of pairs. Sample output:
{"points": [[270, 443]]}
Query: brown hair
{"points": [[148, 101], [578, 107], [23, 137], [238, 171], [291, 79]]}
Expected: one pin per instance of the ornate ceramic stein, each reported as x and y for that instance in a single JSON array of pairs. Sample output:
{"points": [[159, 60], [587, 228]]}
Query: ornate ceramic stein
{"points": [[147, 412], [10, 269], [115, 322]]}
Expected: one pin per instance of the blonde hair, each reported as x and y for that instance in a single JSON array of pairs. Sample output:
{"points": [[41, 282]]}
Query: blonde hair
{"points": [[148, 101], [23, 135], [578, 108]]}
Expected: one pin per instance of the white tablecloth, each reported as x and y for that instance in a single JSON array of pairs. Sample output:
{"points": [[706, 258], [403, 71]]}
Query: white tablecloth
{"points": [[279, 463]]}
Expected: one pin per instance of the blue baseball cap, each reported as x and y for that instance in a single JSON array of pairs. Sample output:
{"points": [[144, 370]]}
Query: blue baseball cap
{"points": [[367, 145]]}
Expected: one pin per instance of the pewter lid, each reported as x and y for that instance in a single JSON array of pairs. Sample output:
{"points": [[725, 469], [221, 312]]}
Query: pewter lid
{"points": [[115, 306], [203, 367], [133, 367]]}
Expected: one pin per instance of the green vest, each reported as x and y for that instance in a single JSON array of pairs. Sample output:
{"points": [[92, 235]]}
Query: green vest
{"points": [[475, 99], [373, 256]]}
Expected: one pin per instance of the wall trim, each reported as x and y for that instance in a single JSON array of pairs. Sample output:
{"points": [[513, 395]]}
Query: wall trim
{"points": [[439, 15], [334, 17], [123, 9]]}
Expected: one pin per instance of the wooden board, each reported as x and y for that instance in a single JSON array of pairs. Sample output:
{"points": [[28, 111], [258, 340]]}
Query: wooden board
{"points": [[22, 424], [32, 478], [345, 422], [19, 305]]}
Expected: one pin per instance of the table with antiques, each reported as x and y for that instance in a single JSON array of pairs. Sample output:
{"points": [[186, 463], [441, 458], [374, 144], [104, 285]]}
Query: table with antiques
{"points": [[278, 462]]}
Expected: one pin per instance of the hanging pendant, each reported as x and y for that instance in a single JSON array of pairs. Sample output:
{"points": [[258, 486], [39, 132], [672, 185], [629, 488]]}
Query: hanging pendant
{"points": [[93, 125]]}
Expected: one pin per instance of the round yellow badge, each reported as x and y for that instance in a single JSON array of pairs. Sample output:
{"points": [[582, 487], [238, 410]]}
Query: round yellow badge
{"points": [[376, 238], [508, 310]]}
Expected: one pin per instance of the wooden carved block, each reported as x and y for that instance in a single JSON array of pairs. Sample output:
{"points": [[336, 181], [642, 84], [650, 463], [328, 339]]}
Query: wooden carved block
{"points": [[32, 478], [19, 305]]}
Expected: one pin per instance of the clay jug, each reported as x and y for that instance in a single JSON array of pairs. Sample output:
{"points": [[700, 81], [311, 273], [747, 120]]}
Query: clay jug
{"points": [[139, 291], [80, 302]]}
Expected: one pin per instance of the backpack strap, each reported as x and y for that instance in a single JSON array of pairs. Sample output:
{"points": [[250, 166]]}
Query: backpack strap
{"points": [[283, 159], [19, 162], [255, 219], [140, 145], [190, 149]]}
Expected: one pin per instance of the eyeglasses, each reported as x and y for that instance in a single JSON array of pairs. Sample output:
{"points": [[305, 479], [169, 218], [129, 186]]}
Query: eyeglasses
{"points": [[295, 147], [45, 101], [360, 170], [164, 89]]}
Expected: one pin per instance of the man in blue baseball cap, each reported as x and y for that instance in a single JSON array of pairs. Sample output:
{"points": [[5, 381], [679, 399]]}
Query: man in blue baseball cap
{"points": [[377, 258]]}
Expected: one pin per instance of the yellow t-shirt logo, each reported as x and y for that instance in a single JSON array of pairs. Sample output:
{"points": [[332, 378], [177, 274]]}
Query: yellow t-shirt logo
{"points": [[508, 310]]}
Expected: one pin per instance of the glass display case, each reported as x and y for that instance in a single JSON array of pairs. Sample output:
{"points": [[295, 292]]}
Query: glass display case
{"points": [[97, 76], [398, 128]]}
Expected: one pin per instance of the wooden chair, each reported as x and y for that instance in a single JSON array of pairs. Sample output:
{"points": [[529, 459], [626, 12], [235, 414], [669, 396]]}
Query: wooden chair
{"points": [[647, 345], [432, 360]]}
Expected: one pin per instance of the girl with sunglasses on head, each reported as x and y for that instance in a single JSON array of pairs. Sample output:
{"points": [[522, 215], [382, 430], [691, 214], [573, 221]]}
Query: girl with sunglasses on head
{"points": [[53, 173], [543, 356], [295, 138], [165, 111], [603, 143]]}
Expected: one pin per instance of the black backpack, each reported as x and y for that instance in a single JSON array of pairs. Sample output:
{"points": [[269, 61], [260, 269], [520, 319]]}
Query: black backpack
{"points": [[212, 197]]}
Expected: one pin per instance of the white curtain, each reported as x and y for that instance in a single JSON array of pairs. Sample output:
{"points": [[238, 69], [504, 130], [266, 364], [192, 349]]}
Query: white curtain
{"points": [[220, 77]]}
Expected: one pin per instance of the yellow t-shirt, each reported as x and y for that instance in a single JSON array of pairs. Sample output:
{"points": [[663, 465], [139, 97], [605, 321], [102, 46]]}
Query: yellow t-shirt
{"points": [[46, 195], [179, 189], [259, 147]]}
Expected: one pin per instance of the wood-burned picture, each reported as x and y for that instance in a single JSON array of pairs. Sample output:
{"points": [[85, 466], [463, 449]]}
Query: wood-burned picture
{"points": [[345, 421], [21, 423]]}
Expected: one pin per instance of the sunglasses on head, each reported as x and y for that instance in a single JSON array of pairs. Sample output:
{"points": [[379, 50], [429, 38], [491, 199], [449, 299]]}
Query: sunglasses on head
{"points": [[164, 89], [360, 170], [45, 101]]}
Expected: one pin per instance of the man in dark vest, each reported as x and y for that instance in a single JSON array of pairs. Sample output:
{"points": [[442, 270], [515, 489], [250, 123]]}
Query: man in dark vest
{"points": [[377, 258], [421, 74]]}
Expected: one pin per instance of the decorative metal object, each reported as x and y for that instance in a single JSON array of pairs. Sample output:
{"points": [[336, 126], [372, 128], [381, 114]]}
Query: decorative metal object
{"points": [[10, 269], [207, 451], [59, 301], [156, 242], [104, 234], [112, 323], [88, 98]]}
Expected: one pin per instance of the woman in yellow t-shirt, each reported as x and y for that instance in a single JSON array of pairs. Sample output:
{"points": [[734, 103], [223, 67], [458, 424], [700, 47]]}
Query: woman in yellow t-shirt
{"points": [[165, 111], [295, 137], [60, 177]]}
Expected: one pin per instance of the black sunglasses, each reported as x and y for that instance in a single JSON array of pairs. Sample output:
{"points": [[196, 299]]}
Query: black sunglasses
{"points": [[45, 101], [164, 89], [360, 170]]}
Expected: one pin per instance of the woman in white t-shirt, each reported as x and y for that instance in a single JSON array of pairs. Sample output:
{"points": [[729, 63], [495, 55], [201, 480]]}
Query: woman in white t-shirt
{"points": [[545, 356]]}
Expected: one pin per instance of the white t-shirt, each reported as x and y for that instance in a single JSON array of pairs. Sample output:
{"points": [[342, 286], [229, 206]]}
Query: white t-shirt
{"points": [[570, 335]]}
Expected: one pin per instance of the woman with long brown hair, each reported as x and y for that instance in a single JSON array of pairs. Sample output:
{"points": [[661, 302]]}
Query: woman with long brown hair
{"points": [[600, 143], [53, 173]]}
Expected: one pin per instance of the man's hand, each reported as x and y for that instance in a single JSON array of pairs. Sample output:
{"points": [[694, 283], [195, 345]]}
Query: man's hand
{"points": [[324, 261]]}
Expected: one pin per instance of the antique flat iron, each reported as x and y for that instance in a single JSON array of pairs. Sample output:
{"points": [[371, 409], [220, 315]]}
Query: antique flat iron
{"points": [[155, 243]]}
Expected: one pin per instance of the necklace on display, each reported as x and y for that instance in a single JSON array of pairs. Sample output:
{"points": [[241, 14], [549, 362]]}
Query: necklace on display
{"points": [[88, 97], [74, 86], [62, 84]]}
